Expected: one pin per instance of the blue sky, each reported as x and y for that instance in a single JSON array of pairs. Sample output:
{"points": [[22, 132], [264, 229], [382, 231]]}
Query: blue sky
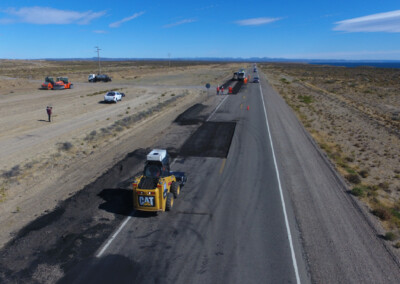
{"points": [[153, 29]]}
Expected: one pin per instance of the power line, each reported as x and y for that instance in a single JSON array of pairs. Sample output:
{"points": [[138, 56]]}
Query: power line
{"points": [[98, 57]]}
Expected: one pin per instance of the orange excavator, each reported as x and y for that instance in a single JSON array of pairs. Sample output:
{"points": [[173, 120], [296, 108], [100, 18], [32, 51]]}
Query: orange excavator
{"points": [[60, 84]]}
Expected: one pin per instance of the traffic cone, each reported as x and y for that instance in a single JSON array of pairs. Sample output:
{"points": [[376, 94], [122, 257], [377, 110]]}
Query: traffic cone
{"points": [[248, 107]]}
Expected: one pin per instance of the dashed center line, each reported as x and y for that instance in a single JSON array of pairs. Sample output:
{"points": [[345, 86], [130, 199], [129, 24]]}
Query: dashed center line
{"points": [[222, 166]]}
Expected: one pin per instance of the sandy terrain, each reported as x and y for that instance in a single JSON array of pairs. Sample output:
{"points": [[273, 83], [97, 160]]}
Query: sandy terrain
{"points": [[353, 114], [43, 163]]}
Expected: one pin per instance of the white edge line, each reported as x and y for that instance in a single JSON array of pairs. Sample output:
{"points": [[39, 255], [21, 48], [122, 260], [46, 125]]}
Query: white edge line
{"points": [[218, 106], [110, 240], [296, 271], [113, 236]]}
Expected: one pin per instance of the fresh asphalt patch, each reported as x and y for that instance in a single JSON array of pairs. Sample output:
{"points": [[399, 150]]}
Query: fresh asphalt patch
{"points": [[212, 139], [227, 83], [56, 242], [191, 115], [237, 87], [73, 231]]}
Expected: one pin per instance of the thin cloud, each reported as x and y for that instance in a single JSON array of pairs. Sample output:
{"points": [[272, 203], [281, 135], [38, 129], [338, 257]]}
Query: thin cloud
{"points": [[124, 20], [46, 16], [256, 21], [100, 32], [186, 21], [383, 22]]}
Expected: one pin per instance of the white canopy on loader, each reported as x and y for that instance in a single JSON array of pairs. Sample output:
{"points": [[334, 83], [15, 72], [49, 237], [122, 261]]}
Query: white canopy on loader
{"points": [[156, 155]]}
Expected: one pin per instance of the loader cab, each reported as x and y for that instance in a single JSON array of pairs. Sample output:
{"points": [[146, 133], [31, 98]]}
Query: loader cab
{"points": [[157, 164]]}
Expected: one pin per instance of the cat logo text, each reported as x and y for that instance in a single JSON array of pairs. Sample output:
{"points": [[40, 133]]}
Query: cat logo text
{"points": [[147, 201]]}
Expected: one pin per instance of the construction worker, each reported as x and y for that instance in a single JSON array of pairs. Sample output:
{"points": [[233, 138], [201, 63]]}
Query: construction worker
{"points": [[217, 89], [49, 111], [222, 90]]}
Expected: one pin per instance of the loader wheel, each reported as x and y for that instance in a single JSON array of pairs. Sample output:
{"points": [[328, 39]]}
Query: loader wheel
{"points": [[170, 202], [175, 189], [71, 86]]}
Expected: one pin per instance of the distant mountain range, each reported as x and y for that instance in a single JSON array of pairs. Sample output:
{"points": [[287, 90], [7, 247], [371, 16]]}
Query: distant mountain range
{"points": [[334, 62], [231, 59]]}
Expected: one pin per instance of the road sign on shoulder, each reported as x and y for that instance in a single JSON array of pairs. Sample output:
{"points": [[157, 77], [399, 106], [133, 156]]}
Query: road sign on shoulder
{"points": [[208, 85]]}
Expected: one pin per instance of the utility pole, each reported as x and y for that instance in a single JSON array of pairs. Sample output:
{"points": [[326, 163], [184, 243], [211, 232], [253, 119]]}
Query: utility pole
{"points": [[98, 57]]}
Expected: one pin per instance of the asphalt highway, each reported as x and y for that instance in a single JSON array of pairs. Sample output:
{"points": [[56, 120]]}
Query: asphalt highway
{"points": [[227, 226], [262, 204]]}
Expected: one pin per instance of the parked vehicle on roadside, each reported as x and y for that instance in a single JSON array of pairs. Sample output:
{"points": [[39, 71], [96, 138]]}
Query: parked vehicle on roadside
{"points": [[93, 78], [59, 84], [113, 97]]}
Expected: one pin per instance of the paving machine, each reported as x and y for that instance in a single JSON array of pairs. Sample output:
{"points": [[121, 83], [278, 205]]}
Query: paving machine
{"points": [[60, 84], [48, 83], [63, 83], [157, 188]]}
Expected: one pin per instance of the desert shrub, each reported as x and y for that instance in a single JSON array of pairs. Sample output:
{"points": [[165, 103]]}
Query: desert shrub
{"points": [[374, 187], [390, 236], [13, 172], [105, 131], [395, 213], [66, 146], [284, 80], [358, 191], [305, 99], [363, 173], [384, 185], [29, 165], [91, 136], [397, 245], [382, 213], [353, 178]]}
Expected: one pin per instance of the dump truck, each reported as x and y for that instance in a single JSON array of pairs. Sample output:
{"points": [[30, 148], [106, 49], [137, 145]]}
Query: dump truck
{"points": [[241, 74], [157, 187], [93, 78], [60, 84]]}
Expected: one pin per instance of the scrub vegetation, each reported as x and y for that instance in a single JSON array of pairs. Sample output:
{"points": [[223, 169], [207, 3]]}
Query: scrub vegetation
{"points": [[353, 114]]}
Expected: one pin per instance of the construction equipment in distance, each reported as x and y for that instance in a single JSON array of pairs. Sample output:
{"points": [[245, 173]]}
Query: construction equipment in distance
{"points": [[60, 84], [157, 188], [93, 78], [240, 75]]}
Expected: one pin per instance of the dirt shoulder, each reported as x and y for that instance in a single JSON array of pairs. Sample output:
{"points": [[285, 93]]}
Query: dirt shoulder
{"points": [[44, 163], [353, 114]]}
